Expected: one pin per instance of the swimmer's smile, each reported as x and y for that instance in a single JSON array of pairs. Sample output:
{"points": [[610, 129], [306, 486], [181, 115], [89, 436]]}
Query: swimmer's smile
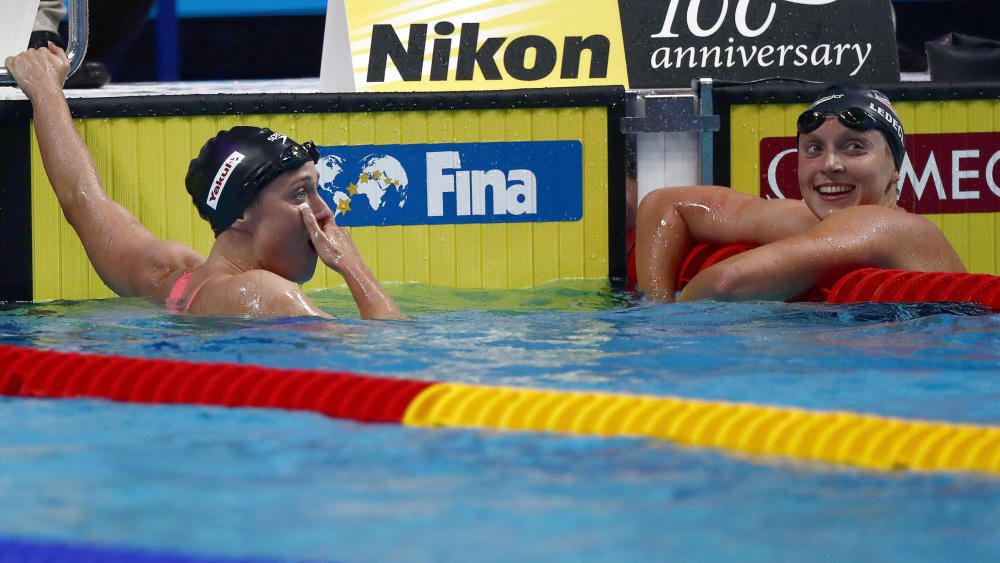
{"points": [[834, 191]]}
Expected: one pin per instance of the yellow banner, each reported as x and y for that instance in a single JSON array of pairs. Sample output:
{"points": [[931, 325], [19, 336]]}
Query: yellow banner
{"points": [[442, 45]]}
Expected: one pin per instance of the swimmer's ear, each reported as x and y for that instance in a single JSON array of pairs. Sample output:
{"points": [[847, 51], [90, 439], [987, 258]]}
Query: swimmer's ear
{"points": [[893, 187], [240, 224]]}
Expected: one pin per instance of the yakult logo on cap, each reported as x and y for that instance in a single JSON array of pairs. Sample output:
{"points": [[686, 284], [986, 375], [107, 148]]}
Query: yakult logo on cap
{"points": [[222, 176]]}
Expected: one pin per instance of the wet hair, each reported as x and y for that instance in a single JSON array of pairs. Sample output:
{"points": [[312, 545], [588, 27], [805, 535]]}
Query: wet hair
{"points": [[235, 165]]}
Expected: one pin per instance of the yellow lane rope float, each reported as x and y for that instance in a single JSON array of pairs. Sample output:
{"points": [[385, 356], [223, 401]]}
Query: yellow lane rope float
{"points": [[861, 440]]}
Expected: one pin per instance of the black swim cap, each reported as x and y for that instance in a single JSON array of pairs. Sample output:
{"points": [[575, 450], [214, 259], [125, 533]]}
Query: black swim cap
{"points": [[835, 100], [236, 164]]}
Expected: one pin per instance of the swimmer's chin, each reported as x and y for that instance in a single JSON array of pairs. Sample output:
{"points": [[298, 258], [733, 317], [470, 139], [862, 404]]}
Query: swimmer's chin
{"points": [[306, 274]]}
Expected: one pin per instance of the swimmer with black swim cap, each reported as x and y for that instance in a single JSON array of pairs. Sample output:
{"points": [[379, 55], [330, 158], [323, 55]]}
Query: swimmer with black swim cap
{"points": [[245, 160], [861, 109], [850, 152], [257, 189], [865, 117]]}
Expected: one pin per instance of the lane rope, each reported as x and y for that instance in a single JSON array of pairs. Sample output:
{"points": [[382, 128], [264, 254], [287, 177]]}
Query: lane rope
{"points": [[861, 440], [869, 284]]}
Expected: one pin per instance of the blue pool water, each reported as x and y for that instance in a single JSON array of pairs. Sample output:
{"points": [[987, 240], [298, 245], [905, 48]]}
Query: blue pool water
{"points": [[266, 483]]}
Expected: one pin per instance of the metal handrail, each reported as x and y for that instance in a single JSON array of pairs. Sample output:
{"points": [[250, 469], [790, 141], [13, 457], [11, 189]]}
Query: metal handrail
{"points": [[76, 46]]}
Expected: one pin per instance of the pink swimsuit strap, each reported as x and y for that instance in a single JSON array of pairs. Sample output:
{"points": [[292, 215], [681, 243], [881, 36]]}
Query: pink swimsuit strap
{"points": [[174, 302]]}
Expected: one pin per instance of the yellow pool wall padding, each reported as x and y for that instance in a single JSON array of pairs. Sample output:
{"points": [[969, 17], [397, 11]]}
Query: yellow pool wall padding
{"points": [[142, 163], [867, 441], [975, 236]]}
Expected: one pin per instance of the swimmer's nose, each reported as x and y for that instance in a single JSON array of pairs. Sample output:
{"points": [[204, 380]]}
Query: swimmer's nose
{"points": [[832, 161], [320, 209]]}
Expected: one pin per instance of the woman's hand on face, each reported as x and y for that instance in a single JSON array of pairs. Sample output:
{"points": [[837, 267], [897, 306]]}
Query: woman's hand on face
{"points": [[39, 70], [335, 248], [333, 244]]}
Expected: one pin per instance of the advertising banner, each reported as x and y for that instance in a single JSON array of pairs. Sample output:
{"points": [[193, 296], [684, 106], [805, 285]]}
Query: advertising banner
{"points": [[434, 45], [942, 173], [453, 183], [671, 42]]}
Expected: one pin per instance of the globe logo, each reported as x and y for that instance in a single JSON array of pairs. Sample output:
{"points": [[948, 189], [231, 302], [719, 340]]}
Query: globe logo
{"points": [[371, 191]]}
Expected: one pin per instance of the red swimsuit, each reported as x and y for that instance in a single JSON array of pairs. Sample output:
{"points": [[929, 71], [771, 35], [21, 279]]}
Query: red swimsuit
{"points": [[174, 302]]}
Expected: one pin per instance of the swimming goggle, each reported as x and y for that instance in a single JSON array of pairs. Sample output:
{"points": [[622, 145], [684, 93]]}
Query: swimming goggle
{"points": [[852, 118], [292, 158], [296, 155]]}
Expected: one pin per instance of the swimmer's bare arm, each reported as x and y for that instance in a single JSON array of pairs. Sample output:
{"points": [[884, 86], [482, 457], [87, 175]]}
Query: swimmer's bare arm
{"points": [[129, 259], [671, 220], [863, 236], [337, 251]]}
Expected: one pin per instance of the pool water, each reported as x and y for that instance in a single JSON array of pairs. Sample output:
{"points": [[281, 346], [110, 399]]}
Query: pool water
{"points": [[267, 483]]}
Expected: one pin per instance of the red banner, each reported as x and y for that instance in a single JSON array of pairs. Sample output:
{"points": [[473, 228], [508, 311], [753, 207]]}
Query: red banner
{"points": [[942, 173]]}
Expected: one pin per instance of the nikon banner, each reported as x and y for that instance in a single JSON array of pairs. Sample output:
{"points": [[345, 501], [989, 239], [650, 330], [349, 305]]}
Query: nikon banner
{"points": [[438, 45], [434, 45], [671, 42]]}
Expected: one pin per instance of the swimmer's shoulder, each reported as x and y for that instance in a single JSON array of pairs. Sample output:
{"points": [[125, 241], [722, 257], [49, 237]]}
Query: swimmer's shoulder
{"points": [[255, 293], [910, 241], [906, 227], [889, 217]]}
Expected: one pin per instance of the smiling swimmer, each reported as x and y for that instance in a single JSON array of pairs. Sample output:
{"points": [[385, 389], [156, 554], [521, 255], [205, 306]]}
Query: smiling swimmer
{"points": [[850, 150]]}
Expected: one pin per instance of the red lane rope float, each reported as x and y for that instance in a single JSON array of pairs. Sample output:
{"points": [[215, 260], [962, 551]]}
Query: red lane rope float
{"points": [[38, 373], [835, 437], [702, 256], [869, 284]]}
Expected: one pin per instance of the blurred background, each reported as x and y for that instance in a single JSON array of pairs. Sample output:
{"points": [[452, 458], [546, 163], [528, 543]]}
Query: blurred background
{"points": [[147, 40]]}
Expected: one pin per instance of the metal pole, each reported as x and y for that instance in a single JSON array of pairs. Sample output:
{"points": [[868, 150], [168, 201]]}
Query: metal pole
{"points": [[168, 66], [76, 45], [706, 150]]}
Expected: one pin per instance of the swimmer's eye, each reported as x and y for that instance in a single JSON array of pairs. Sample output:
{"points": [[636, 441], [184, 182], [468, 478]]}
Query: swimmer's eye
{"points": [[855, 146], [812, 149]]}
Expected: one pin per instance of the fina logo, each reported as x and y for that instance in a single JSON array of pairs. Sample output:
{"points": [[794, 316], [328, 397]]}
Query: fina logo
{"points": [[375, 187], [512, 192], [453, 183]]}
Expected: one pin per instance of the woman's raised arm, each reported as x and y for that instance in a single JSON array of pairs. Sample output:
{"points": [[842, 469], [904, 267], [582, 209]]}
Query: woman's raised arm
{"points": [[129, 259]]}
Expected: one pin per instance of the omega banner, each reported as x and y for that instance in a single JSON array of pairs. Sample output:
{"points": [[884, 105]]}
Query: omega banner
{"points": [[942, 173], [670, 42]]}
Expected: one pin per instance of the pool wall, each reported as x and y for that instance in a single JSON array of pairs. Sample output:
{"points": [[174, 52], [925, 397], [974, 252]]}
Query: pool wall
{"points": [[142, 146]]}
